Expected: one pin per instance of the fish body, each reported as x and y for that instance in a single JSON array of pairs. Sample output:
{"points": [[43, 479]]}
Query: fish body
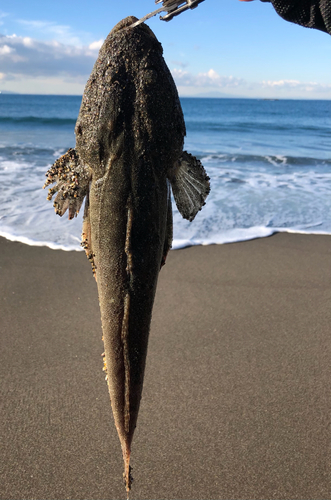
{"points": [[129, 148]]}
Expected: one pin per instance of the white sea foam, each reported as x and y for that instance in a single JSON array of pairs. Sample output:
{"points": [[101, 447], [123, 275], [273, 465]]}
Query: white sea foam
{"points": [[228, 236], [36, 243], [244, 203]]}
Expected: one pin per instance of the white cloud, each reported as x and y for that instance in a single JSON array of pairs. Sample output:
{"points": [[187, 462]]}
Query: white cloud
{"points": [[297, 85], [209, 79], [2, 15], [179, 64], [25, 56], [27, 41], [63, 33], [5, 50], [281, 83], [96, 45], [66, 66], [234, 85]]}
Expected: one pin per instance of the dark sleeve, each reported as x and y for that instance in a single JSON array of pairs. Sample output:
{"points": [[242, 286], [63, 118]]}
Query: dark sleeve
{"points": [[310, 13]]}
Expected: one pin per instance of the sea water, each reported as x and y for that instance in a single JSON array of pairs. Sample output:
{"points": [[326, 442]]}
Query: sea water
{"points": [[269, 163]]}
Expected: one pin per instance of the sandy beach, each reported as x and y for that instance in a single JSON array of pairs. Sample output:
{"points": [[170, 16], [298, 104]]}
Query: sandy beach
{"points": [[237, 398]]}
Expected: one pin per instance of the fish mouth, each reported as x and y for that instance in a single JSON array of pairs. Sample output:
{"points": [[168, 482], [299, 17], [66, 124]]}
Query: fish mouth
{"points": [[127, 22]]}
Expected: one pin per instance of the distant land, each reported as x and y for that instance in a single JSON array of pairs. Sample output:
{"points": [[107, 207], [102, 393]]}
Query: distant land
{"points": [[7, 92], [216, 95]]}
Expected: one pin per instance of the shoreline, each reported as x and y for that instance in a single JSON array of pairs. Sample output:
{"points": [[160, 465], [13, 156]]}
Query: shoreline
{"points": [[236, 401], [230, 236]]}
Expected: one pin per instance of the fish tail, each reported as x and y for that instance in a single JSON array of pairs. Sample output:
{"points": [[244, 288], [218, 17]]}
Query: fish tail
{"points": [[126, 444], [127, 468]]}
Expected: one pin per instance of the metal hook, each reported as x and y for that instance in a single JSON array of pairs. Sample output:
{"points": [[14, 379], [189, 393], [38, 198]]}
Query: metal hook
{"points": [[172, 7]]}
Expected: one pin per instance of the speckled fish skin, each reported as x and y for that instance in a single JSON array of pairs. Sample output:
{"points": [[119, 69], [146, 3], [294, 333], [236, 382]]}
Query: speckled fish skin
{"points": [[130, 129], [129, 149]]}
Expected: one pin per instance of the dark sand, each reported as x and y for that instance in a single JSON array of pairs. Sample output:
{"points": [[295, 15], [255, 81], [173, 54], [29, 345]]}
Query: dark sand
{"points": [[237, 399]]}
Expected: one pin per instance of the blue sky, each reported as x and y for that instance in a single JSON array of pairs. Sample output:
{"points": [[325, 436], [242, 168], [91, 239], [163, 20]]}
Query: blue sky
{"points": [[224, 47]]}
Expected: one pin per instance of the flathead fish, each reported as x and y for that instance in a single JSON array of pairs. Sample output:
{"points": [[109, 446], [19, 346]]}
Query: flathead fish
{"points": [[129, 149]]}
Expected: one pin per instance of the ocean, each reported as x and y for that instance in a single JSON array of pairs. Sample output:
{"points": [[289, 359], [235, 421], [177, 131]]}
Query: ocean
{"points": [[269, 162]]}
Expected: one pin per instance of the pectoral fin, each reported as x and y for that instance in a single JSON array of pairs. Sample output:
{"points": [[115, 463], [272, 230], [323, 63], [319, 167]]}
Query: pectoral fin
{"points": [[190, 185], [71, 183]]}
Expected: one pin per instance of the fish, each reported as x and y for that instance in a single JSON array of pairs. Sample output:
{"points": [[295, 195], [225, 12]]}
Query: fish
{"points": [[128, 156]]}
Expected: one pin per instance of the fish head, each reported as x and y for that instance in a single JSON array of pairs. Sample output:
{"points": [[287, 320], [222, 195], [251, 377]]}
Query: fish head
{"points": [[130, 101]]}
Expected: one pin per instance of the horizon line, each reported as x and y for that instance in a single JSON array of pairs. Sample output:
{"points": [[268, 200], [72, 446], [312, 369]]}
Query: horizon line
{"points": [[8, 92]]}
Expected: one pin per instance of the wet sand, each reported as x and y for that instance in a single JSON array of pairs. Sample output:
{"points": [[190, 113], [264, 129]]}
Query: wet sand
{"points": [[237, 397]]}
